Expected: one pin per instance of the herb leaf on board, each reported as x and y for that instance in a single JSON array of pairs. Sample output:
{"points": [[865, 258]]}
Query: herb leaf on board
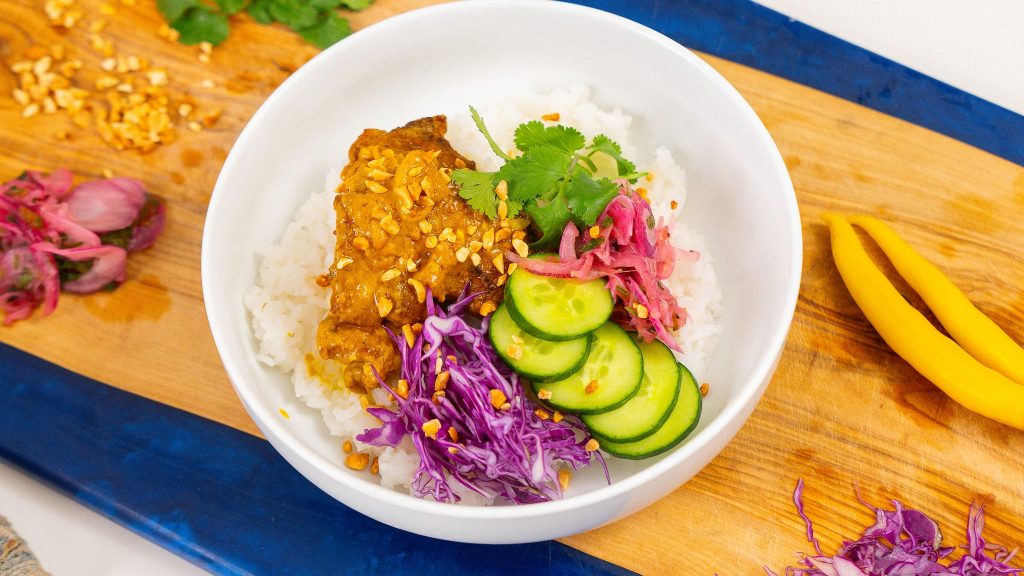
{"points": [[200, 24], [329, 29], [316, 21]]}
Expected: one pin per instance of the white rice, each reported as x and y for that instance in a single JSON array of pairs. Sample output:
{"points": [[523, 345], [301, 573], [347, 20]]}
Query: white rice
{"points": [[287, 304]]}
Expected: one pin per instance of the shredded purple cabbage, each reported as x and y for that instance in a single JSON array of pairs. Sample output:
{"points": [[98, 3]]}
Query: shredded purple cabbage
{"points": [[903, 542], [511, 453]]}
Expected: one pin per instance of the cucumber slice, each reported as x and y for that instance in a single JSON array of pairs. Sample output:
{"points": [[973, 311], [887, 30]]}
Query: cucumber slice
{"points": [[556, 308], [645, 412], [615, 366], [539, 360], [681, 421]]}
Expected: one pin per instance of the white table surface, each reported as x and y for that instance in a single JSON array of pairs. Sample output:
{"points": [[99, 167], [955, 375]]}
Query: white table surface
{"points": [[976, 46]]}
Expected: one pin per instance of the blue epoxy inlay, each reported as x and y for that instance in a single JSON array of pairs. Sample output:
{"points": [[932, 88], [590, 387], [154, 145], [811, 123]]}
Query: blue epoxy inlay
{"points": [[750, 34], [221, 498]]}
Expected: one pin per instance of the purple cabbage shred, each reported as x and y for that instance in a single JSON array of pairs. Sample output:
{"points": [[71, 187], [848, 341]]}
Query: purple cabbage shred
{"points": [[903, 542], [512, 453]]}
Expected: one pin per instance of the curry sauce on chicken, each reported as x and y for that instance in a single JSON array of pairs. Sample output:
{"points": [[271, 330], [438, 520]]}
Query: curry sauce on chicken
{"points": [[403, 229]]}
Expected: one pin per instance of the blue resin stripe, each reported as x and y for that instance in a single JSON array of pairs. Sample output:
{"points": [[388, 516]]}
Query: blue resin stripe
{"points": [[219, 497], [761, 38]]}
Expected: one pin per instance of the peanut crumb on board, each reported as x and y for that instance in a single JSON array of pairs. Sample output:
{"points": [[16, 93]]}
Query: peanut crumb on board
{"points": [[125, 101]]}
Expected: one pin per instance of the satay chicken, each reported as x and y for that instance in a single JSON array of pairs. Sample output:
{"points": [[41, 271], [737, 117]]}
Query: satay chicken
{"points": [[402, 230]]}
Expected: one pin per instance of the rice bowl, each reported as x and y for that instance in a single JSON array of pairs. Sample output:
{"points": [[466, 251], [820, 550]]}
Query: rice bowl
{"points": [[286, 303], [738, 191]]}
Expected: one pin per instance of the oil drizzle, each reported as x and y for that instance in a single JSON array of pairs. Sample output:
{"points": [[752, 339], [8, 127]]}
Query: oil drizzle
{"points": [[143, 299]]}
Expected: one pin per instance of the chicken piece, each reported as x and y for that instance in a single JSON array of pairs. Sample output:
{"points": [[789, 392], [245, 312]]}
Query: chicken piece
{"points": [[402, 229]]}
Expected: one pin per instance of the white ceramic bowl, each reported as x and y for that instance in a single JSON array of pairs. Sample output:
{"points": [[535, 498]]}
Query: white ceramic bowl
{"points": [[439, 60]]}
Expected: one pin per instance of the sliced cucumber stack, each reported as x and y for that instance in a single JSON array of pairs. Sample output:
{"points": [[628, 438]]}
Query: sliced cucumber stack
{"points": [[611, 375], [556, 309], [635, 399], [681, 421], [539, 360], [645, 412]]}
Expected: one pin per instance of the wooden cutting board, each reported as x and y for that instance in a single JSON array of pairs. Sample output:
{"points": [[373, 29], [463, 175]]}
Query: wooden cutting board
{"points": [[842, 411]]}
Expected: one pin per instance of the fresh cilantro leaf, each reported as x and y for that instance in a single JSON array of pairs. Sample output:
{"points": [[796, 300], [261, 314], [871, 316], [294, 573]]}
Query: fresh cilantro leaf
{"points": [[295, 14], [260, 11], [483, 130], [356, 5], [587, 196], [535, 173], [549, 218], [328, 30], [174, 9], [324, 4], [477, 188], [602, 143], [201, 24], [534, 133], [231, 6]]}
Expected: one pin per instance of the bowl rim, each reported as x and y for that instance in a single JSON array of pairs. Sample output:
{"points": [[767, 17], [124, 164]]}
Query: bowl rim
{"points": [[277, 432]]}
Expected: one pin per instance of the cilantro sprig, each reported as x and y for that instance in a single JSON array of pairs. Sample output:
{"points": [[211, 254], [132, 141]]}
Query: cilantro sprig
{"points": [[316, 21], [554, 180]]}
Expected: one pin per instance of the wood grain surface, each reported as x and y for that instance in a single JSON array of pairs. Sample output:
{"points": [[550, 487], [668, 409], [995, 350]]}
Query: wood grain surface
{"points": [[842, 411]]}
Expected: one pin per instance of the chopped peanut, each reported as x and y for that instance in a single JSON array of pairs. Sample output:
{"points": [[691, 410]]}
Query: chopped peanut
{"points": [[441, 381], [357, 461], [384, 306], [487, 307], [563, 478], [521, 248], [431, 427], [498, 398], [419, 288], [515, 351]]}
